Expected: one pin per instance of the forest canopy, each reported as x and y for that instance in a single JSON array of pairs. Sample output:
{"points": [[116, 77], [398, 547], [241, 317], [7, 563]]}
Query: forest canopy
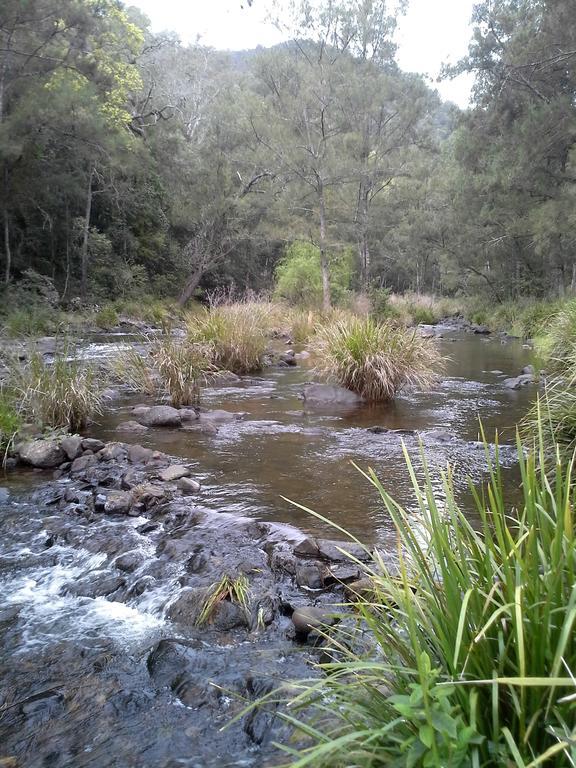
{"points": [[133, 164]]}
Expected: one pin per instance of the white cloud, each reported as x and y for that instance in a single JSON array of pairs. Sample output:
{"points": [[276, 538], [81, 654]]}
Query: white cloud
{"points": [[432, 33]]}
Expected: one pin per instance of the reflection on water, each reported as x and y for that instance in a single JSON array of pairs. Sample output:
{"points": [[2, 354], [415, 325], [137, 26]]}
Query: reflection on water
{"points": [[283, 450]]}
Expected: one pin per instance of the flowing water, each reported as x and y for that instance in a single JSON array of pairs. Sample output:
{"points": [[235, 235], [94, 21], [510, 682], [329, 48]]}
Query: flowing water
{"points": [[88, 653]]}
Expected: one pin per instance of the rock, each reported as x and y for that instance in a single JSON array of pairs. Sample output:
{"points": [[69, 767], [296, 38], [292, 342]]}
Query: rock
{"points": [[99, 586], [188, 605], [517, 382], [335, 551], [72, 446], [304, 355], [174, 472], [113, 452], [43, 454], [342, 574], [82, 463], [131, 426], [188, 485], [92, 444], [137, 454], [482, 330], [140, 410], [326, 394], [361, 589], [227, 616], [309, 576], [310, 618], [4, 494], [149, 494], [288, 357], [161, 416], [497, 373], [439, 436], [188, 414], [118, 503], [528, 369], [129, 561], [110, 394]]}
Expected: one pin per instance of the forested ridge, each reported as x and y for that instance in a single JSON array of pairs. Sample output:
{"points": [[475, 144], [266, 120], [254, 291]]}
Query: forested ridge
{"points": [[133, 164]]}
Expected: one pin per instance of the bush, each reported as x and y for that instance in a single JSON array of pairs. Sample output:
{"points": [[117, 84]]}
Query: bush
{"points": [[64, 394], [236, 333], [299, 276], [475, 650], [107, 317], [374, 359], [33, 321]]}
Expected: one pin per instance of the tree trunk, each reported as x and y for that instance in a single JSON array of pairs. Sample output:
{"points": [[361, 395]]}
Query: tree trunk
{"points": [[7, 252], [323, 255], [363, 247], [85, 234], [191, 284]]}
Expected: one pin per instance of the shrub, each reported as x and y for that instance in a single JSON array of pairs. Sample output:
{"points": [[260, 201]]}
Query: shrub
{"points": [[33, 321], [374, 359], [63, 394], [236, 333], [475, 650], [107, 317]]}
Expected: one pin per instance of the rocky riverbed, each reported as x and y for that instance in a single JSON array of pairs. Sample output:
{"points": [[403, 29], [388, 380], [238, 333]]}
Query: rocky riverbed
{"points": [[105, 571], [112, 544]]}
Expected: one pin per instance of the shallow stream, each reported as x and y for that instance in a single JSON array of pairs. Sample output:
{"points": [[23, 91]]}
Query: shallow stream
{"points": [[95, 670]]}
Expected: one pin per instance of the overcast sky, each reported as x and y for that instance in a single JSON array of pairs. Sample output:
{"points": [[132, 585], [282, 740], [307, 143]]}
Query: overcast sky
{"points": [[433, 31]]}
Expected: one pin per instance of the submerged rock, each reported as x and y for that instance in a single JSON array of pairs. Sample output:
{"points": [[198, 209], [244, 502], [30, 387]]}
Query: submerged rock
{"points": [[310, 618], [328, 394], [131, 426]]}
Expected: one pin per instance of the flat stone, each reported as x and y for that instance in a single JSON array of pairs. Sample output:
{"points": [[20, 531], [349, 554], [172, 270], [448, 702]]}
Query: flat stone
{"points": [[342, 574], [174, 472], [113, 452], [131, 426], [326, 549], [149, 494], [43, 454], [140, 410], [188, 485], [72, 446], [161, 416], [92, 444]]}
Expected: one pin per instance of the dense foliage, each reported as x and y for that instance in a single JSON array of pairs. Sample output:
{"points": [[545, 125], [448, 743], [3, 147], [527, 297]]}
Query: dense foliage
{"points": [[132, 164]]}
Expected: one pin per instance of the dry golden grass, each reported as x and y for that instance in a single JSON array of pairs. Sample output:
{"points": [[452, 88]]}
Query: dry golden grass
{"points": [[375, 359]]}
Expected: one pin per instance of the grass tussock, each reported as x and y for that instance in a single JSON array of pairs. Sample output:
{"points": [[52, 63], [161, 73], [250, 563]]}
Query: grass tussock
{"points": [[166, 366], [64, 394], [375, 359], [10, 420], [237, 335], [237, 590], [475, 649]]}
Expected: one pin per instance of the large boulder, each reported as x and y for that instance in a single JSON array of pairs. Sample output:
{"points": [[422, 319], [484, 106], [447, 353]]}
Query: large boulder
{"points": [[160, 416], [327, 394], [43, 454]]}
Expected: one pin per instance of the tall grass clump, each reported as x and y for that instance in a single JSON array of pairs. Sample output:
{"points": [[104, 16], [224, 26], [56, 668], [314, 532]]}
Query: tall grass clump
{"points": [[10, 420], [236, 333], [374, 359], [559, 344], [65, 393], [474, 651], [182, 369], [166, 366]]}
